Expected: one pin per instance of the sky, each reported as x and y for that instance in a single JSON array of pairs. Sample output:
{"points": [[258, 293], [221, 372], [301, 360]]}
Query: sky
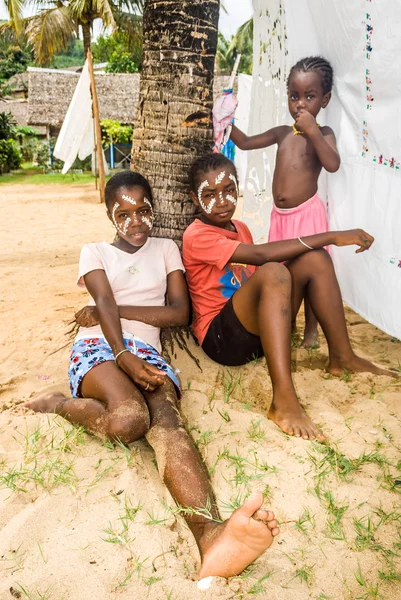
{"points": [[239, 11]]}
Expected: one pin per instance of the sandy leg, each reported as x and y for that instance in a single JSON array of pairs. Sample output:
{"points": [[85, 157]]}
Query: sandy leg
{"points": [[228, 548]]}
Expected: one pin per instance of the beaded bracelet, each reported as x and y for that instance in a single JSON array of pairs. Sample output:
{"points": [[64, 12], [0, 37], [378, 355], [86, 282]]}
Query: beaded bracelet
{"points": [[305, 244], [117, 355]]}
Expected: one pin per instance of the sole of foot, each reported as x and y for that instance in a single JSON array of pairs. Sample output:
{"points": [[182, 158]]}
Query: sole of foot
{"points": [[230, 547]]}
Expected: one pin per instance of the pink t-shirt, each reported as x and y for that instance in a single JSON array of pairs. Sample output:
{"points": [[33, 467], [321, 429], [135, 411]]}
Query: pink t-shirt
{"points": [[212, 279], [138, 279]]}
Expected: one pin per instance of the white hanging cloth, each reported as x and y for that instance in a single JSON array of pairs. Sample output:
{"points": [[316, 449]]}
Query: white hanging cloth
{"points": [[77, 137]]}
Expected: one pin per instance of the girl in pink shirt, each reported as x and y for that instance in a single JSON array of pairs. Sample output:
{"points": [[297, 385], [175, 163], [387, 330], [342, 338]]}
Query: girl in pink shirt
{"points": [[123, 389]]}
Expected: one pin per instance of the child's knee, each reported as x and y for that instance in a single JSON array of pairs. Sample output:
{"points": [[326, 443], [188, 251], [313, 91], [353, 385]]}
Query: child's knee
{"points": [[129, 427], [275, 274]]}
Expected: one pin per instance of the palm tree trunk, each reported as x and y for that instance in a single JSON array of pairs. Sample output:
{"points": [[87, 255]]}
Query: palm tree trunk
{"points": [[87, 37], [180, 41]]}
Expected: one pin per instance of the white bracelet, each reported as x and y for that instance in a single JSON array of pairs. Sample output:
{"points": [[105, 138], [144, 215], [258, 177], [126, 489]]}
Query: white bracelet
{"points": [[305, 244], [121, 351]]}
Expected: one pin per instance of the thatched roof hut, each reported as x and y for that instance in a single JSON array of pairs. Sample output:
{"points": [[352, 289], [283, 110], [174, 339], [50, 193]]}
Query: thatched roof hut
{"points": [[17, 86], [19, 111], [51, 91]]}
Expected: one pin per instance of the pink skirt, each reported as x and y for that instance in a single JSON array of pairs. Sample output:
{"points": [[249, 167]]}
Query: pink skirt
{"points": [[306, 219]]}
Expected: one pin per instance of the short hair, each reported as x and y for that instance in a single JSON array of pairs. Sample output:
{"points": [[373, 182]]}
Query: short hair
{"points": [[203, 164], [315, 63], [126, 179]]}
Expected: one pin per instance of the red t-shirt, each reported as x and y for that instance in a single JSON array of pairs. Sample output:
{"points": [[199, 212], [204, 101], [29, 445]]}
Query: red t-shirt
{"points": [[212, 279]]}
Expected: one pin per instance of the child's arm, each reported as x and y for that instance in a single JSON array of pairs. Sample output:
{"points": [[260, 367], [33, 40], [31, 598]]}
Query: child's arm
{"points": [[253, 142], [323, 140], [176, 312], [138, 370], [259, 254]]}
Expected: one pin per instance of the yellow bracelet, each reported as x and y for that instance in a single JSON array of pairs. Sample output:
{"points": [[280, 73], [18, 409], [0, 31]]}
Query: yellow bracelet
{"points": [[117, 355]]}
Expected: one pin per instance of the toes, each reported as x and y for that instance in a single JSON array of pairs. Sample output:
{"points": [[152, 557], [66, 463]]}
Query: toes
{"points": [[261, 515], [275, 531], [272, 524], [251, 504]]}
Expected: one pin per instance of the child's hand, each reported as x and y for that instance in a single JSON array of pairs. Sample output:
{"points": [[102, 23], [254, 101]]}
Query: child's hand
{"points": [[146, 376], [305, 122], [87, 317], [357, 237]]}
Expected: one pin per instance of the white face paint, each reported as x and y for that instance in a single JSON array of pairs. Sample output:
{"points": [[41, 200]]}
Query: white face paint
{"points": [[148, 203], [121, 229], [129, 199], [220, 177], [126, 225], [116, 205], [148, 221], [208, 209], [230, 197]]}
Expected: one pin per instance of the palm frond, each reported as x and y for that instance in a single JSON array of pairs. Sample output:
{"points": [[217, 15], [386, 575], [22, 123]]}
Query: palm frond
{"points": [[49, 32], [129, 28], [14, 8]]}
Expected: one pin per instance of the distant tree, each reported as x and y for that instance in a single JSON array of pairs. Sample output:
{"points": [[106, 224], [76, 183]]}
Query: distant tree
{"points": [[73, 56], [15, 54], [108, 48], [51, 29], [228, 48], [121, 63]]}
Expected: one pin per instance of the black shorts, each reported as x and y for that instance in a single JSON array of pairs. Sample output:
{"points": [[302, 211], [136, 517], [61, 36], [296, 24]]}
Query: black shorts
{"points": [[228, 343]]}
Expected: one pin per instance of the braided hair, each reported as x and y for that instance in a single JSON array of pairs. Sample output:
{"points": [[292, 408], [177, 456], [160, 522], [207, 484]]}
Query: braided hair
{"points": [[126, 179], [206, 163], [315, 63]]}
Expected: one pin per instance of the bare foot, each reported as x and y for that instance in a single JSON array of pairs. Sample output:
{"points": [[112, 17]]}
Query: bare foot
{"points": [[228, 548], [49, 402], [293, 420], [311, 338], [355, 364]]}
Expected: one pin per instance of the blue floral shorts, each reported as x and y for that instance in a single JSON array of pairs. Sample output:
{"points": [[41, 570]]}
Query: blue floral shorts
{"points": [[87, 353]]}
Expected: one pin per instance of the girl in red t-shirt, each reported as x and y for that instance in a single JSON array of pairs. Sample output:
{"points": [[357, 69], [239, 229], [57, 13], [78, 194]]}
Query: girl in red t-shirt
{"points": [[240, 318]]}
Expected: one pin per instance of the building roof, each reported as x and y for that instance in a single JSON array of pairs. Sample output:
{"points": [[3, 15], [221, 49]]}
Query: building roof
{"points": [[51, 91], [19, 110]]}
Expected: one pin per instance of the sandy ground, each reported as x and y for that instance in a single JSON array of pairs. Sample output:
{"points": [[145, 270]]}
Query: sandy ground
{"points": [[81, 519]]}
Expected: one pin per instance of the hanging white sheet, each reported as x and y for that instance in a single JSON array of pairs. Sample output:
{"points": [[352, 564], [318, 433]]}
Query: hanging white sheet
{"points": [[361, 39], [242, 121], [76, 137]]}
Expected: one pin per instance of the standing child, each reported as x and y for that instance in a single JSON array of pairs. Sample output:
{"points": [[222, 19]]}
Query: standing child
{"points": [[121, 386], [302, 151], [241, 311]]}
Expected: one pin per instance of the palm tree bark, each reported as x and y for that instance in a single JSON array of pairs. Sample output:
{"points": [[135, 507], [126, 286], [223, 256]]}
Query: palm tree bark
{"points": [[180, 41], [87, 37]]}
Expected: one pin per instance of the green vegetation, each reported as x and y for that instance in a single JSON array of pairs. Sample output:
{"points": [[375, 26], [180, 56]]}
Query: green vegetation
{"points": [[10, 156], [115, 133], [240, 43], [37, 177]]}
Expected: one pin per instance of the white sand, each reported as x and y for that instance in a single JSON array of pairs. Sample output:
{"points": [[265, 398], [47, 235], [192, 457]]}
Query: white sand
{"points": [[65, 496]]}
